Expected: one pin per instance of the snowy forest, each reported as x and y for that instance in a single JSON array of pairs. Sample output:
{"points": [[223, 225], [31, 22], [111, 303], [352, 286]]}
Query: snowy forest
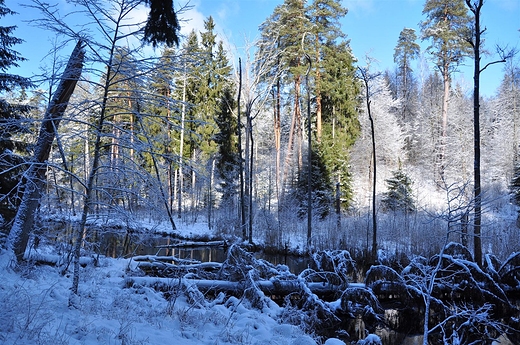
{"points": [[394, 193]]}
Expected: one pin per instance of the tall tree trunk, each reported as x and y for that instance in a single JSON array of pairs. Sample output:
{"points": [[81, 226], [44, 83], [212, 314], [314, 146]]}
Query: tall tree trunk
{"points": [[277, 137], [318, 94], [181, 145], [247, 167], [366, 80], [34, 177], [445, 100], [240, 160], [477, 220], [250, 172], [476, 7], [294, 128], [374, 180], [309, 157]]}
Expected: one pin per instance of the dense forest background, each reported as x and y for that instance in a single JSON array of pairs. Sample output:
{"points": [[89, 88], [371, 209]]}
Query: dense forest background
{"points": [[279, 148]]}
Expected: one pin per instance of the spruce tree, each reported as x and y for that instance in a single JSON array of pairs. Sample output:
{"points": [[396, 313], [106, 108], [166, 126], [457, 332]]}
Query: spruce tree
{"points": [[11, 116], [341, 126], [162, 25], [226, 139], [322, 194], [399, 196]]}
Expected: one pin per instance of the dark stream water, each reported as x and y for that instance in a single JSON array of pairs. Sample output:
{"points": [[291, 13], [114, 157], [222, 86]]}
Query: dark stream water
{"points": [[113, 245], [131, 245]]}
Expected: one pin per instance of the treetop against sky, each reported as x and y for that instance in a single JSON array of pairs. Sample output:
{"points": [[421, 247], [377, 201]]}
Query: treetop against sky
{"points": [[373, 27]]}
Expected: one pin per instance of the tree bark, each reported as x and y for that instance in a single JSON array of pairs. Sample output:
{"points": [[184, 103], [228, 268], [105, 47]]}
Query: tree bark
{"points": [[477, 221], [240, 161], [34, 178]]}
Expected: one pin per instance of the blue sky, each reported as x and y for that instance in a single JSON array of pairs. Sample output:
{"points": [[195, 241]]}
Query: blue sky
{"points": [[372, 26]]}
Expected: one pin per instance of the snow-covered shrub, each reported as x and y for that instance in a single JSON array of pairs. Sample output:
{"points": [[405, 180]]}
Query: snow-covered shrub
{"points": [[337, 261], [509, 271], [467, 304], [371, 339], [304, 308]]}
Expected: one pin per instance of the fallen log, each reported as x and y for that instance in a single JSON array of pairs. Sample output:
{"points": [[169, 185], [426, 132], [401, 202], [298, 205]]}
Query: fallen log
{"points": [[164, 269], [190, 244], [58, 260], [164, 258], [268, 287]]}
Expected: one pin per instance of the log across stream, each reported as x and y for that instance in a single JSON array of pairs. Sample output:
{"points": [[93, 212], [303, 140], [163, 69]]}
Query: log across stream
{"points": [[386, 303]]}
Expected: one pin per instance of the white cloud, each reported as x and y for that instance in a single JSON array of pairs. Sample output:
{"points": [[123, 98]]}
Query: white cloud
{"points": [[358, 6], [192, 18]]}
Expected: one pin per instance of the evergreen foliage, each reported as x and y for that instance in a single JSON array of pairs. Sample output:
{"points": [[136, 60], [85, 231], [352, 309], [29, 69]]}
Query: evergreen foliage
{"points": [[399, 196], [11, 116], [322, 194], [315, 30], [162, 25], [226, 139], [447, 26], [341, 125], [515, 186], [405, 51]]}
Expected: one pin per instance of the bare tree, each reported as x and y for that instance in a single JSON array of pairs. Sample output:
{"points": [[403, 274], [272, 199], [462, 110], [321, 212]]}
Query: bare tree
{"points": [[476, 43], [255, 83], [367, 78]]}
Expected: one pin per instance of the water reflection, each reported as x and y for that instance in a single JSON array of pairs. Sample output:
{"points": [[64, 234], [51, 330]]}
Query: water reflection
{"points": [[117, 246]]}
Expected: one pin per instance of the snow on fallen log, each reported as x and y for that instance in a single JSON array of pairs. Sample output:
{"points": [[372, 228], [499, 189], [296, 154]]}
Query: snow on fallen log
{"points": [[268, 287], [194, 244], [160, 266], [164, 258], [57, 260]]}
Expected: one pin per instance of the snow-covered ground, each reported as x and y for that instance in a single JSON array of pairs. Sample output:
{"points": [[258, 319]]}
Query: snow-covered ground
{"points": [[35, 310]]}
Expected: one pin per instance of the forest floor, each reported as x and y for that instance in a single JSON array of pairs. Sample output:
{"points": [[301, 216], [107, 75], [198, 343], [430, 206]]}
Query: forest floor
{"points": [[36, 310]]}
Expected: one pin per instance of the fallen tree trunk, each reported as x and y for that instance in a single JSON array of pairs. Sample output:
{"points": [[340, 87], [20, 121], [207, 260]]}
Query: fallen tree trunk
{"points": [[165, 269], [163, 258], [190, 244], [268, 287]]}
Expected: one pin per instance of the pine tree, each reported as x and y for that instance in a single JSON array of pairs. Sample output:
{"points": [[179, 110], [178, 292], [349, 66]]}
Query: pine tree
{"points": [[406, 50], [326, 29], [11, 115], [335, 89], [447, 26], [287, 26]]}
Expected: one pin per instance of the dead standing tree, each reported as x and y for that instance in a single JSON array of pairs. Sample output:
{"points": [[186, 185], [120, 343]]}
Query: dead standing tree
{"points": [[34, 178], [367, 77], [476, 43]]}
